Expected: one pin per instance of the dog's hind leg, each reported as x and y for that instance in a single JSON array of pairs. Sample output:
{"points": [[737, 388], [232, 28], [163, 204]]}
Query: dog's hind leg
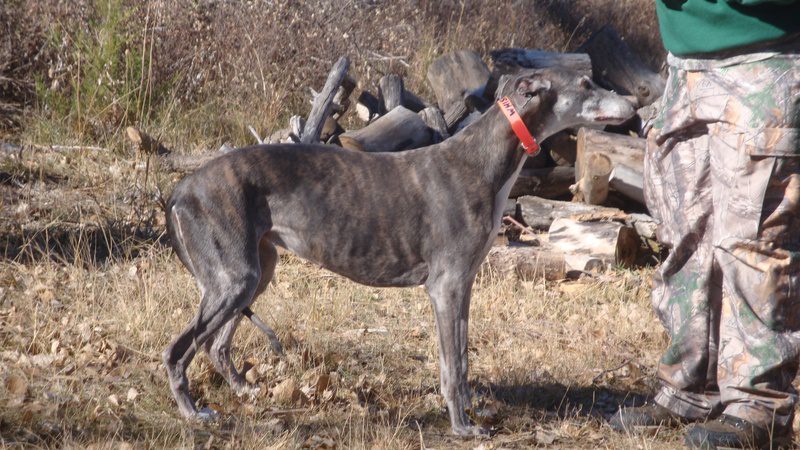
{"points": [[216, 310], [450, 296], [220, 353], [268, 256], [219, 347], [228, 279]]}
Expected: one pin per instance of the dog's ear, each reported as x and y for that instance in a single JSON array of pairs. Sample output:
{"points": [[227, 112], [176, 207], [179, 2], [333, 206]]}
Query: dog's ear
{"points": [[527, 85], [532, 85], [502, 86]]}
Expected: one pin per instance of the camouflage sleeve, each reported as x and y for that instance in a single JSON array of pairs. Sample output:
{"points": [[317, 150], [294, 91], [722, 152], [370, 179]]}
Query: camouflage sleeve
{"points": [[761, 2]]}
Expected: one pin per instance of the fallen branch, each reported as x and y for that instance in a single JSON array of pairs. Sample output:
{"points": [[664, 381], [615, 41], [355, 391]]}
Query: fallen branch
{"points": [[323, 102]]}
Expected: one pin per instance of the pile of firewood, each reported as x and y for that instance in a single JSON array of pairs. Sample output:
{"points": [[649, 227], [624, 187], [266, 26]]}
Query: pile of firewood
{"points": [[590, 167]]}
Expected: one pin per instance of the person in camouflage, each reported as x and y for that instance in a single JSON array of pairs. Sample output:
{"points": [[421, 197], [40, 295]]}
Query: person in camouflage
{"points": [[722, 178]]}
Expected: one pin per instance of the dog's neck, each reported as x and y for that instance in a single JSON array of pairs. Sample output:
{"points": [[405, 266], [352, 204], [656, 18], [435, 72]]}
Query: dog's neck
{"points": [[499, 153]]}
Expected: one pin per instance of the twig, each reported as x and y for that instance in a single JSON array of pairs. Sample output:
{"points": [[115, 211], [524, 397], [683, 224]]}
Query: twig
{"points": [[18, 149], [255, 133], [378, 57], [600, 375], [523, 228]]}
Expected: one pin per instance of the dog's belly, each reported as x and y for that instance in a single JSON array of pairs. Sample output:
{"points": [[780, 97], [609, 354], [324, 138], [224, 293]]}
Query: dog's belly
{"points": [[363, 259]]}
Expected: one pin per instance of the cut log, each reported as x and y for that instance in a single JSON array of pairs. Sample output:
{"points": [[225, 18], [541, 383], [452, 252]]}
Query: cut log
{"points": [[330, 130], [435, 121], [592, 187], [280, 136], [627, 182], [413, 102], [296, 124], [390, 92], [341, 101], [466, 121], [619, 148], [368, 107], [539, 213], [399, 129], [613, 243], [510, 60], [185, 163], [617, 67], [454, 77], [321, 108], [550, 182], [645, 225], [562, 147], [584, 263], [526, 263]]}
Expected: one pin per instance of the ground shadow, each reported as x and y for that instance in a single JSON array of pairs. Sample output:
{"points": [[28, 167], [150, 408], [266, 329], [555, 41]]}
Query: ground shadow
{"points": [[560, 401]]}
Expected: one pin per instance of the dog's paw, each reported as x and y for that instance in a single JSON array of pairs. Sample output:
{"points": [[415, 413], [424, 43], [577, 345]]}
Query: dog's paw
{"points": [[469, 431], [248, 390], [206, 414], [277, 348]]}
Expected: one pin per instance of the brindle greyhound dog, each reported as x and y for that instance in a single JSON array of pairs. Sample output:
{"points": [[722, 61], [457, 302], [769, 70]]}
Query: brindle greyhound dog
{"points": [[419, 217]]}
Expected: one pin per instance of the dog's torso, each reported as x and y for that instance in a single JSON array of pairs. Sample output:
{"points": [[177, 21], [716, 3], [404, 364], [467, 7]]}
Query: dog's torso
{"points": [[299, 197]]}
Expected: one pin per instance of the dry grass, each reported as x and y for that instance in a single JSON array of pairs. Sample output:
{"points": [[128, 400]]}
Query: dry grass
{"points": [[83, 322], [86, 309], [81, 360]]}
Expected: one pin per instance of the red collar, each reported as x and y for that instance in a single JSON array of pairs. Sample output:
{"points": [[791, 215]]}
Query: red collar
{"points": [[528, 142]]}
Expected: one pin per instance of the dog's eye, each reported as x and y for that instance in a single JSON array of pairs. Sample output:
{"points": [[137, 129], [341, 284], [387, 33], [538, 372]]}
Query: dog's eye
{"points": [[586, 83]]}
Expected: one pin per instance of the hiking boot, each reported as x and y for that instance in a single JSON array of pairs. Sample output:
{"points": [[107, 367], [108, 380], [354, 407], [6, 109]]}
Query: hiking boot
{"points": [[645, 418], [732, 432]]}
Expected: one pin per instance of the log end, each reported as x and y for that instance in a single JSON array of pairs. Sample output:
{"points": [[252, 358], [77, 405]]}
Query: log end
{"points": [[349, 142]]}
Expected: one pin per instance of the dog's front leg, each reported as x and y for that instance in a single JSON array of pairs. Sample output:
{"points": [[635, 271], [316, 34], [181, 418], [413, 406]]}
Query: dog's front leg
{"points": [[450, 296]]}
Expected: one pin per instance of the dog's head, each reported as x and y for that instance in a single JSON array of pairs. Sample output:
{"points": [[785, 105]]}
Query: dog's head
{"points": [[550, 100]]}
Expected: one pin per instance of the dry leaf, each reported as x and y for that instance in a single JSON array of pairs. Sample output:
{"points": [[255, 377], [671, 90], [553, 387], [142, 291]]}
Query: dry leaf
{"points": [[251, 375], [216, 407], [286, 392], [545, 437], [572, 289], [17, 388], [132, 394], [42, 360], [113, 399], [488, 414], [323, 382], [317, 442]]}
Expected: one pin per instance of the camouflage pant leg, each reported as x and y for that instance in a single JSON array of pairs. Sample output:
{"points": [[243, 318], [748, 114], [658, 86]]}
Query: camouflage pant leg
{"points": [[724, 180], [686, 292]]}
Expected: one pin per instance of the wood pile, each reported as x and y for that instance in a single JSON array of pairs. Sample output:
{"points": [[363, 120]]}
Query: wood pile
{"points": [[598, 172]]}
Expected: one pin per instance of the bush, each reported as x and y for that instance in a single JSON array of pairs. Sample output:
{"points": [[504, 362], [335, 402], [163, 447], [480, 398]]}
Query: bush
{"points": [[201, 71]]}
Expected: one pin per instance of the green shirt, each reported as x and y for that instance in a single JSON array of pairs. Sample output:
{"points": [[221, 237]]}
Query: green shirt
{"points": [[702, 26]]}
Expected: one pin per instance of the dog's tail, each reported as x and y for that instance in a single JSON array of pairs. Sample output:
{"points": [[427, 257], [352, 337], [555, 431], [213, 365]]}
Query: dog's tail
{"points": [[273, 338]]}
